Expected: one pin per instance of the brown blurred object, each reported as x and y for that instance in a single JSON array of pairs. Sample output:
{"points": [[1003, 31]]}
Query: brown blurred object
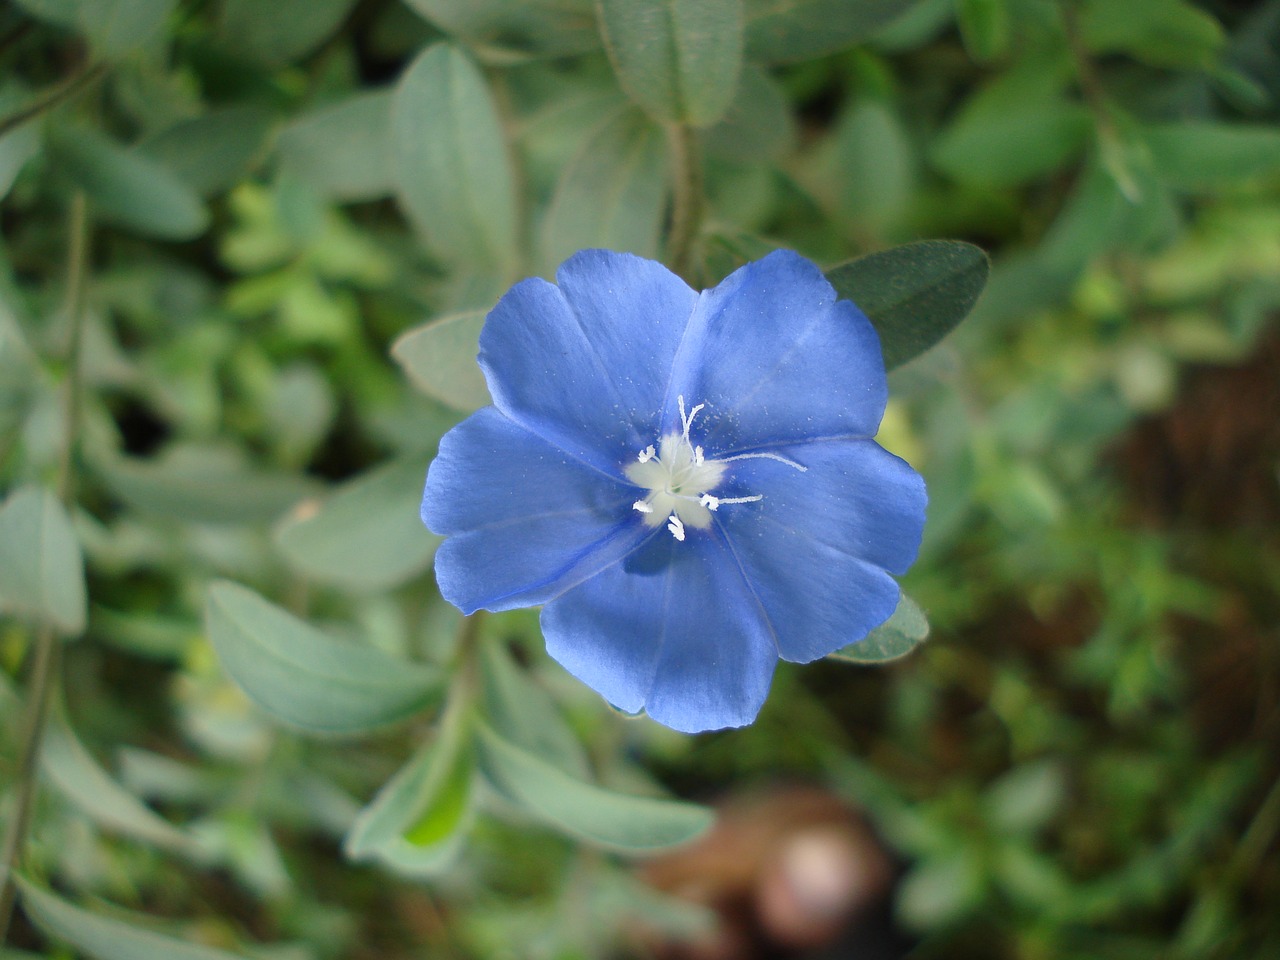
{"points": [[786, 871]]}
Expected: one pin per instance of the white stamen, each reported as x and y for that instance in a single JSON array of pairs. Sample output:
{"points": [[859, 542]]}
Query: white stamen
{"points": [[697, 456], [765, 456], [676, 527], [647, 454], [710, 502], [641, 507]]}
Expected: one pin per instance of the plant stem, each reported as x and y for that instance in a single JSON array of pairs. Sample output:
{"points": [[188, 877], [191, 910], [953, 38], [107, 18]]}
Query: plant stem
{"points": [[45, 658], [69, 87], [686, 208]]}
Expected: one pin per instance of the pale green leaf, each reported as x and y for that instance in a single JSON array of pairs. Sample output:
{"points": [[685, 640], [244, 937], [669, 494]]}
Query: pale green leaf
{"points": [[114, 27], [440, 359], [506, 30], [282, 30], [519, 709], [18, 145], [679, 59], [416, 822], [342, 149], [452, 169], [758, 126], [204, 485], [108, 938], [612, 194], [210, 153], [306, 678], [79, 777], [366, 535], [612, 820], [914, 294], [41, 565], [790, 30], [128, 188], [1212, 155], [905, 630]]}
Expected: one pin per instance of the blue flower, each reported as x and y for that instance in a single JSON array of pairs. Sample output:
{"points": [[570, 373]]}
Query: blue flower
{"points": [[687, 481]]}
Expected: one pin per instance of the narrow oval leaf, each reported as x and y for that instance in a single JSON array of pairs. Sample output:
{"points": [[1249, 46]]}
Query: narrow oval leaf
{"points": [[583, 810], [506, 30], [367, 535], [210, 153], [21, 143], [612, 194], [79, 777], [343, 149], [905, 630], [128, 188], [522, 712], [282, 30], [679, 59], [1207, 155], [452, 169], [440, 359], [306, 678], [114, 27], [416, 821], [41, 566], [107, 938], [914, 294], [787, 30]]}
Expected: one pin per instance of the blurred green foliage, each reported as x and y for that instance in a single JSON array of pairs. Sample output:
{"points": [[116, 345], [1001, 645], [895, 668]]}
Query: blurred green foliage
{"points": [[297, 216]]}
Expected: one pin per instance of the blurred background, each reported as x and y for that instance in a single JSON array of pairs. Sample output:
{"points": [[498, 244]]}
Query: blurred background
{"points": [[282, 224]]}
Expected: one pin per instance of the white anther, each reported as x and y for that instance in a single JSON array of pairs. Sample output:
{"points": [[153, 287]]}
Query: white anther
{"points": [[641, 507], [710, 502], [676, 526], [697, 456], [647, 454]]}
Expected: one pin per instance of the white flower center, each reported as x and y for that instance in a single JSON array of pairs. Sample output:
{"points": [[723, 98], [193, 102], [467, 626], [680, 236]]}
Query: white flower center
{"points": [[680, 479]]}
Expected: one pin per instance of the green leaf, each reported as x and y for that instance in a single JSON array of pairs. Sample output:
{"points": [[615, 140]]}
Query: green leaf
{"points": [[872, 165], [1162, 33], [1208, 155], [128, 188], [520, 710], [440, 359], [507, 30], [108, 938], [452, 169], [914, 294], [41, 566], [613, 820], [203, 485], [787, 30], [940, 890], [210, 153], [1017, 127], [416, 822], [984, 27], [905, 630], [758, 126], [306, 678], [114, 27], [343, 149], [278, 32], [18, 145], [366, 536], [612, 194], [79, 777], [679, 59]]}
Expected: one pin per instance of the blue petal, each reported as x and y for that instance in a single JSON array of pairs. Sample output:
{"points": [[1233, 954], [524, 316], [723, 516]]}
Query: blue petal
{"points": [[587, 364], [672, 630], [777, 359], [524, 521], [819, 549]]}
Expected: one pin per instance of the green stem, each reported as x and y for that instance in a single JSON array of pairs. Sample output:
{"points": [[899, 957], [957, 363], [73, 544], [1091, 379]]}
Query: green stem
{"points": [[687, 200], [68, 88], [45, 659]]}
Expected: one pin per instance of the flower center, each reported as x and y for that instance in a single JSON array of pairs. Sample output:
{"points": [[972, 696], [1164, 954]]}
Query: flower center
{"points": [[680, 479]]}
